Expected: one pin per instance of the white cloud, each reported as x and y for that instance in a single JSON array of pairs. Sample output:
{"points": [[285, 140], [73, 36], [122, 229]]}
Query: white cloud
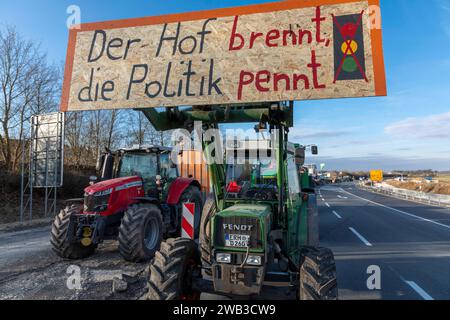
{"points": [[431, 127], [444, 6]]}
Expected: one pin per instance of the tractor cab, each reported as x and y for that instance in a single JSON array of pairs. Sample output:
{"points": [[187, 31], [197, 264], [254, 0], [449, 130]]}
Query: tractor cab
{"points": [[152, 164], [251, 171]]}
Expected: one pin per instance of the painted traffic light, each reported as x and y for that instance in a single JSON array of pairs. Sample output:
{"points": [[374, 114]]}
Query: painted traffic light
{"points": [[349, 59]]}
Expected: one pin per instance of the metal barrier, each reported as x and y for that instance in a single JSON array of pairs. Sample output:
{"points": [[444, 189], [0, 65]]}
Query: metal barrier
{"points": [[440, 200]]}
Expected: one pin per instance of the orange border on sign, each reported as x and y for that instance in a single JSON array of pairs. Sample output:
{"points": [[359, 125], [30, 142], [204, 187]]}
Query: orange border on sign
{"points": [[376, 35]]}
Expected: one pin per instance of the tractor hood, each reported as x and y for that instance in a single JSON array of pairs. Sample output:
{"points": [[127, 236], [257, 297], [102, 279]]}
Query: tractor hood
{"points": [[251, 220], [247, 210], [114, 185]]}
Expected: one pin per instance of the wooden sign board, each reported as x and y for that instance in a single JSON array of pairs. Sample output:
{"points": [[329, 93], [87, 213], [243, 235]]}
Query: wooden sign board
{"points": [[376, 175], [293, 50]]}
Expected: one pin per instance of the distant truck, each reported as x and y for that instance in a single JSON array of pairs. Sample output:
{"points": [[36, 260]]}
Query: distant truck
{"points": [[312, 170]]}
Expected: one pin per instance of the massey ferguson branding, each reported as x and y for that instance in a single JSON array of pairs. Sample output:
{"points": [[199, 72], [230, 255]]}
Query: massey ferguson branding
{"points": [[237, 227]]}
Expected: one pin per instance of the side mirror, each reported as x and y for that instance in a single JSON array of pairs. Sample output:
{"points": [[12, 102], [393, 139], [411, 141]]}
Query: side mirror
{"points": [[92, 180], [315, 150], [300, 156]]}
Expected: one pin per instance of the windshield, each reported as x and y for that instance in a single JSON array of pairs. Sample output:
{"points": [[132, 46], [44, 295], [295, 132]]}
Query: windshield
{"points": [[252, 180], [144, 165], [168, 170]]}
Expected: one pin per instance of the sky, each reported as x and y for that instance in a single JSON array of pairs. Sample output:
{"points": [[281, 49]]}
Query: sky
{"points": [[409, 129]]}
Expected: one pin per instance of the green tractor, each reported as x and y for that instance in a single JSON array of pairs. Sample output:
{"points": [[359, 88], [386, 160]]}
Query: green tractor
{"points": [[259, 227]]}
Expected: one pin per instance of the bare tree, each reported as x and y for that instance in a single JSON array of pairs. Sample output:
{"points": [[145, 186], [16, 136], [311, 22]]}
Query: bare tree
{"points": [[114, 115], [28, 86]]}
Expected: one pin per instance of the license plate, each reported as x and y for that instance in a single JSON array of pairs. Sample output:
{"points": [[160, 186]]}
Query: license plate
{"points": [[237, 240]]}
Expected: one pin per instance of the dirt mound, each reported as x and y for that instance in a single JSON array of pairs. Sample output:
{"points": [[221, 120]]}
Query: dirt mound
{"points": [[427, 187], [75, 180]]}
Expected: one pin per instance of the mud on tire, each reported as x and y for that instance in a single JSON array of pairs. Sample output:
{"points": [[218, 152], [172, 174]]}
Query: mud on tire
{"points": [[141, 232], [318, 275], [172, 270], [209, 210], [59, 237]]}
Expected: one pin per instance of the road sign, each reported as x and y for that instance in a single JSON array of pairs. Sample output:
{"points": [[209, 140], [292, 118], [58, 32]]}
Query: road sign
{"points": [[376, 175], [291, 50]]}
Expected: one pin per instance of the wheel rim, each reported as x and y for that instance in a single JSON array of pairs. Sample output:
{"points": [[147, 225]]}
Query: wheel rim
{"points": [[151, 234]]}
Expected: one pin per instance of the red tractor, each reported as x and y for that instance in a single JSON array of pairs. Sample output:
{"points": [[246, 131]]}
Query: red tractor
{"points": [[138, 202]]}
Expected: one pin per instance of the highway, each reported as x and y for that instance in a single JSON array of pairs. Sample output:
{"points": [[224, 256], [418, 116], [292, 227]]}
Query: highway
{"points": [[407, 241]]}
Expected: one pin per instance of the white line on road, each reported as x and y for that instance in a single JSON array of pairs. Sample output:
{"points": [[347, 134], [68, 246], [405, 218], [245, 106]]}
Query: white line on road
{"points": [[337, 215], [419, 290], [399, 211], [341, 197], [326, 203], [364, 240]]}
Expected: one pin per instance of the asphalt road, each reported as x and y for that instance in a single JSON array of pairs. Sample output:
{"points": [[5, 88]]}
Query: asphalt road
{"points": [[407, 241]]}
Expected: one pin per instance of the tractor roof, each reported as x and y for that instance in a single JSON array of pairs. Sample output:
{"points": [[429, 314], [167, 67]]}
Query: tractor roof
{"points": [[261, 144], [147, 148]]}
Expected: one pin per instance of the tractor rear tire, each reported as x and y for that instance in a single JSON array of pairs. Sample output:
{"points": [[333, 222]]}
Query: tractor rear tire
{"points": [[318, 275], [193, 195], [59, 237], [172, 270], [141, 232], [209, 209]]}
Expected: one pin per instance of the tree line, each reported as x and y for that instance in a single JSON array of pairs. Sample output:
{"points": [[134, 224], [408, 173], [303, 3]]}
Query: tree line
{"points": [[31, 85]]}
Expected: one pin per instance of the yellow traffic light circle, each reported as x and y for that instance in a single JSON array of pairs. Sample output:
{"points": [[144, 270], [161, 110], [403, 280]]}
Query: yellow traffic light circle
{"points": [[349, 47]]}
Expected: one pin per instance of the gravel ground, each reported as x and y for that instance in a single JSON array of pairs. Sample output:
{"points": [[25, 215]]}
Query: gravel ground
{"points": [[30, 270]]}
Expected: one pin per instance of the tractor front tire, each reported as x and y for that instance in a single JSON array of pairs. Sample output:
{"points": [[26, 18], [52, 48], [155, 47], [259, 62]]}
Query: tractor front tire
{"points": [[59, 237], [172, 271], [141, 232], [318, 275], [209, 209]]}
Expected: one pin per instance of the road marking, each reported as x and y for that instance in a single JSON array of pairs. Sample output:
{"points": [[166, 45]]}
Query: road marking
{"points": [[326, 203], [419, 290], [400, 211], [337, 215], [364, 240], [341, 197]]}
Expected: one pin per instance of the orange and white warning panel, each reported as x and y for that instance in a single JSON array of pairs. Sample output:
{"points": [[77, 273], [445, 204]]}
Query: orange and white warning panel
{"points": [[187, 222]]}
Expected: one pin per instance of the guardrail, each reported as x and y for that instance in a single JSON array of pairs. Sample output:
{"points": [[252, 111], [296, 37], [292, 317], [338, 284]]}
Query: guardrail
{"points": [[439, 200]]}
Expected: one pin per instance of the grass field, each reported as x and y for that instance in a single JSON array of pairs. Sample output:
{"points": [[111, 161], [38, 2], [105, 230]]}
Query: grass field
{"points": [[443, 178]]}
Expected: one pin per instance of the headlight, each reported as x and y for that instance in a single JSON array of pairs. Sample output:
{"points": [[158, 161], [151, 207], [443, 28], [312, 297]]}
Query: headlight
{"points": [[223, 257], [254, 260]]}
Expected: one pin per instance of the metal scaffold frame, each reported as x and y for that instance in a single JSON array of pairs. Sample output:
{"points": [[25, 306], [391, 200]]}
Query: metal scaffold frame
{"points": [[44, 167]]}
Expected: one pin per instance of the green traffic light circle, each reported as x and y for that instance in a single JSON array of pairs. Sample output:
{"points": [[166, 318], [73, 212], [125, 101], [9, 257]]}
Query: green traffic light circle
{"points": [[349, 65]]}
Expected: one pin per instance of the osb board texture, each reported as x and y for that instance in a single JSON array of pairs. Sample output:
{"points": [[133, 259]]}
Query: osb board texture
{"points": [[228, 65]]}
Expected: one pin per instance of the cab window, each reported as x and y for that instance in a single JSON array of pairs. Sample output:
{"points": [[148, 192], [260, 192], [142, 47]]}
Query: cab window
{"points": [[293, 179], [168, 169]]}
